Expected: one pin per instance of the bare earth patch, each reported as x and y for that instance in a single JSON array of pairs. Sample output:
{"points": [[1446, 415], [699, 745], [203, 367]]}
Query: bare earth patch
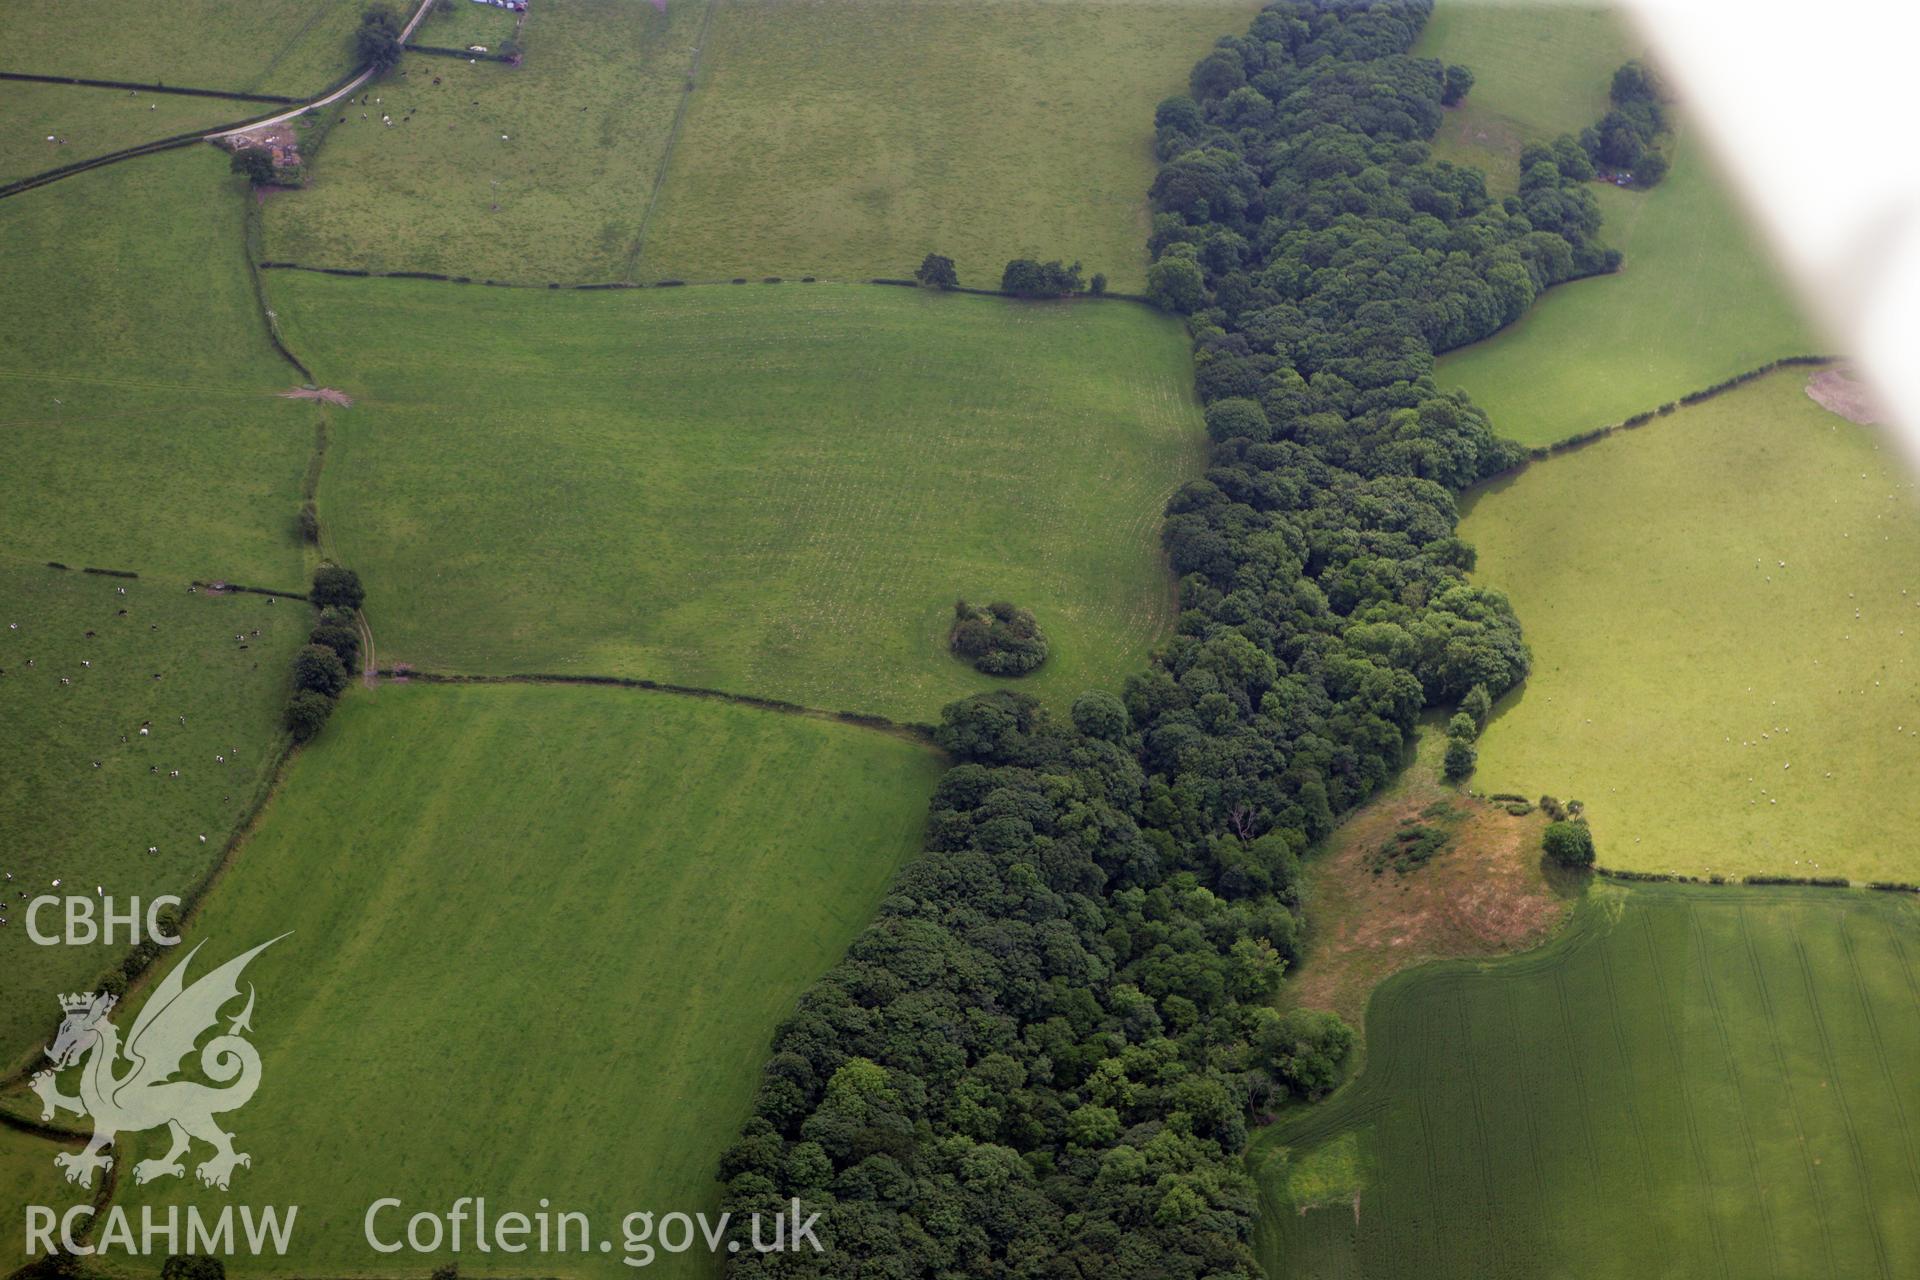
{"points": [[1836, 391], [329, 394], [1485, 894]]}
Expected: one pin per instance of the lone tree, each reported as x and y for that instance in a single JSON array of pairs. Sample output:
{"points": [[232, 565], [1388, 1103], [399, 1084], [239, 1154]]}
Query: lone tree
{"points": [[377, 41], [255, 164], [336, 587], [936, 272], [1569, 843], [1454, 85]]}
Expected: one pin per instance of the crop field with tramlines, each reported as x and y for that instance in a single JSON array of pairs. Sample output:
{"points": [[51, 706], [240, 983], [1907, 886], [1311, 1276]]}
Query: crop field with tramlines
{"points": [[773, 490], [1688, 1082], [539, 935]]}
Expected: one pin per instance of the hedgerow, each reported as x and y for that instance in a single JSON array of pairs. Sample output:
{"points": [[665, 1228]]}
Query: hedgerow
{"points": [[1044, 1057]]}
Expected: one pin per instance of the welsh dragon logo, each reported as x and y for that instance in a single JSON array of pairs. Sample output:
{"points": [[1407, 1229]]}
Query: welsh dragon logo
{"points": [[145, 1095]]}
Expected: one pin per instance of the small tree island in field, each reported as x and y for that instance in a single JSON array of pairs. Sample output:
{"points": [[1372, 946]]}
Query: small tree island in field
{"points": [[1000, 639]]}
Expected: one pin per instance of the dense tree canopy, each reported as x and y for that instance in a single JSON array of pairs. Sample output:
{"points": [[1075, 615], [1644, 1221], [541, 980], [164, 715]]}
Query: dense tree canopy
{"points": [[936, 271], [1045, 1055]]}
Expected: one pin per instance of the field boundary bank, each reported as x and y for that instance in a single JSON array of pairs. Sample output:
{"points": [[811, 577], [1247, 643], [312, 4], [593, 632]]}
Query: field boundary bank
{"points": [[1544, 452], [632, 261], [911, 730], [81, 82], [602, 286]]}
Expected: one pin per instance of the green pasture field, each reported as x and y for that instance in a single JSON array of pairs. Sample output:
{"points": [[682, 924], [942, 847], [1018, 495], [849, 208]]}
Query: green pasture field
{"points": [[94, 122], [139, 427], [1697, 301], [60, 817], [27, 1176], [1717, 710], [849, 138], [540, 939], [1687, 1082], [1540, 70], [560, 196], [290, 47], [461, 23], [773, 490]]}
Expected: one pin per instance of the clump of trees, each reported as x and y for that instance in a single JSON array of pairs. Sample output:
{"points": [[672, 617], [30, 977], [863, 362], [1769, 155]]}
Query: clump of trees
{"points": [[1000, 639], [1569, 842], [1628, 139], [325, 665], [376, 41], [1026, 278], [937, 272]]}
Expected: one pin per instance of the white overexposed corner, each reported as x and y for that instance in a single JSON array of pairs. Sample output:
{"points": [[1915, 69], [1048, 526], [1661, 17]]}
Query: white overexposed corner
{"points": [[1810, 111]]}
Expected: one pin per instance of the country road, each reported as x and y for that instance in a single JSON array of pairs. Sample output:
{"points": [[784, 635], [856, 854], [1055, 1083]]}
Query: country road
{"points": [[344, 90]]}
